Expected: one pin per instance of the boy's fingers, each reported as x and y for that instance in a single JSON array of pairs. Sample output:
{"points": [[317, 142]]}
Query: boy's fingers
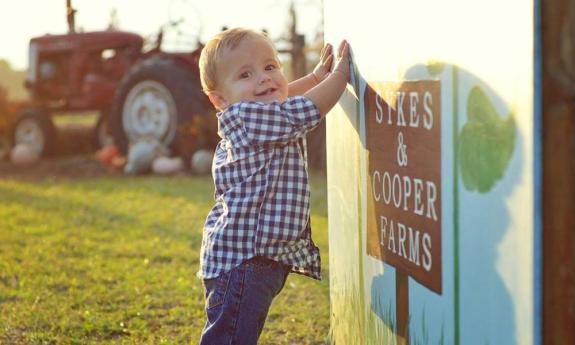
{"points": [[328, 62], [343, 51], [341, 48], [329, 49], [326, 52], [322, 53]]}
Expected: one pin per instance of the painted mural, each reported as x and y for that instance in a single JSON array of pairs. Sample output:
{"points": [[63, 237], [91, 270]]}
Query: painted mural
{"points": [[430, 175]]}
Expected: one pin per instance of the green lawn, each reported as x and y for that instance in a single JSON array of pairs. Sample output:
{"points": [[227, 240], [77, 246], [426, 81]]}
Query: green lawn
{"points": [[112, 260]]}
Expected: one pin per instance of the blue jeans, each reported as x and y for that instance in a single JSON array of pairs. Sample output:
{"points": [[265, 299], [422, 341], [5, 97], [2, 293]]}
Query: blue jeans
{"points": [[237, 302]]}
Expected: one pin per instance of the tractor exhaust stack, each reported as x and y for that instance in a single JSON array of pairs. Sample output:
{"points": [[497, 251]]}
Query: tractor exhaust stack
{"points": [[70, 16]]}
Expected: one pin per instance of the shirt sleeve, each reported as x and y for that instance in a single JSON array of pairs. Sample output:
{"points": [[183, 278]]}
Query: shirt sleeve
{"points": [[278, 122]]}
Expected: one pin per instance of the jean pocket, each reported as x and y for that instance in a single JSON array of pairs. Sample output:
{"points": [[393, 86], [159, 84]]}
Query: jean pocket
{"points": [[216, 289]]}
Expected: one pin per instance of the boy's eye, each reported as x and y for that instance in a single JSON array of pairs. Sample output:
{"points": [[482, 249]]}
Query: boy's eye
{"points": [[270, 67], [245, 75]]}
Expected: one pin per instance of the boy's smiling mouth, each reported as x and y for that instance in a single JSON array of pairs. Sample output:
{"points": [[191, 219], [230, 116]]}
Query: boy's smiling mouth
{"points": [[266, 92]]}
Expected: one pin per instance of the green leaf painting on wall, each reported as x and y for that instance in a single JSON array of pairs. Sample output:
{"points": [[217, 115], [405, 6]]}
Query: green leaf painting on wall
{"points": [[435, 68], [486, 143]]}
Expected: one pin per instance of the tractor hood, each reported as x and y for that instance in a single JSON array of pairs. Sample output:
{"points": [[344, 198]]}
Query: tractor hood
{"points": [[87, 41]]}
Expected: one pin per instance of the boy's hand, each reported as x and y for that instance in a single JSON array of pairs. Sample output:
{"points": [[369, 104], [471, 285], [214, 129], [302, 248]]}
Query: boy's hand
{"points": [[342, 62], [327, 93], [323, 67]]}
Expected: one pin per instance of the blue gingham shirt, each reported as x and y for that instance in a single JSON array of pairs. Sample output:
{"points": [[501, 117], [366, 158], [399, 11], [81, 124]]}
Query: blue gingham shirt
{"points": [[262, 191]]}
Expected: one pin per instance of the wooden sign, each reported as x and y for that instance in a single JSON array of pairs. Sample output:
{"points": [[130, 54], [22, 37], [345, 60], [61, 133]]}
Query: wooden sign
{"points": [[403, 138]]}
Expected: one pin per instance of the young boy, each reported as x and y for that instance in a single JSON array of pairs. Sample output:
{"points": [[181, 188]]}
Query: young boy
{"points": [[258, 230]]}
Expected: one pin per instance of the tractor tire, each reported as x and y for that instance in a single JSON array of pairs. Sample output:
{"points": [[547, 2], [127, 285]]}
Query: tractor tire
{"points": [[155, 99], [34, 127], [102, 136]]}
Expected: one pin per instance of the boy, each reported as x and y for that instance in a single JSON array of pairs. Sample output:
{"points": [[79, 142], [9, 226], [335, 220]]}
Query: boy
{"points": [[258, 230]]}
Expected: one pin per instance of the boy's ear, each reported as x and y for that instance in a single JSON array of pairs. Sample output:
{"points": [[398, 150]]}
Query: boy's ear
{"points": [[218, 100]]}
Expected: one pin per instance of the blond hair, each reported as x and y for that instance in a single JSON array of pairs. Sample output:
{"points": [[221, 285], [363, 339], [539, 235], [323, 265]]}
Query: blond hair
{"points": [[212, 52]]}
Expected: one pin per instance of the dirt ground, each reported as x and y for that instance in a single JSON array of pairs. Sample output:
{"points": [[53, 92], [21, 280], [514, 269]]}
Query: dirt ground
{"points": [[78, 166]]}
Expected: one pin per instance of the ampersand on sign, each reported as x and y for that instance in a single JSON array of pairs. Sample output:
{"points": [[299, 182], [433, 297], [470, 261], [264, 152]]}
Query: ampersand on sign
{"points": [[401, 151]]}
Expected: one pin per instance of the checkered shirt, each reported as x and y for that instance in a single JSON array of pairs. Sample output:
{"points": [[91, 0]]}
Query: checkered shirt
{"points": [[262, 191]]}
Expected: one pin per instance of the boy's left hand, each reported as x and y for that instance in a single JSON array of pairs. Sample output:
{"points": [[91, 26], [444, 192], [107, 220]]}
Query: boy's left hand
{"points": [[323, 67]]}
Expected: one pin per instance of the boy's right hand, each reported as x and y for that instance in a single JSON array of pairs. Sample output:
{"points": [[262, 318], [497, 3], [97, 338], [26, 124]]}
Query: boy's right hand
{"points": [[342, 61], [326, 94]]}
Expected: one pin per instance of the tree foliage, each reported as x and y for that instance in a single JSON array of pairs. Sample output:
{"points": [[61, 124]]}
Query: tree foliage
{"points": [[12, 81]]}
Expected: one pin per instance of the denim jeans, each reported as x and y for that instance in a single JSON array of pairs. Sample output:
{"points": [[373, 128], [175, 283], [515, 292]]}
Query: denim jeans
{"points": [[237, 302]]}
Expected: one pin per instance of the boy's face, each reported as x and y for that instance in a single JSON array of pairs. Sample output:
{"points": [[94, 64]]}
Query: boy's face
{"points": [[249, 72]]}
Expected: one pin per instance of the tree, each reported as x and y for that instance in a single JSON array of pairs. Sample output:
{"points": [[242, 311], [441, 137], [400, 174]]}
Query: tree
{"points": [[12, 81]]}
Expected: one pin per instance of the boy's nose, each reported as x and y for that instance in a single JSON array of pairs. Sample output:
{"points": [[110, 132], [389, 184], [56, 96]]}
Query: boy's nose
{"points": [[264, 78]]}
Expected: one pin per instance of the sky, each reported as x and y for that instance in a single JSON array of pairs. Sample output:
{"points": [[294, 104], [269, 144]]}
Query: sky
{"points": [[21, 20]]}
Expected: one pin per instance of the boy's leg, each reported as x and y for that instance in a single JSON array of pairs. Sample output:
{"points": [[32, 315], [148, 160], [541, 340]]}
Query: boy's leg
{"points": [[237, 302]]}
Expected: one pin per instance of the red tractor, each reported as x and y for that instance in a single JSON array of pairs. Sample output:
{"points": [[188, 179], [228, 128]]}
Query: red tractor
{"points": [[138, 94]]}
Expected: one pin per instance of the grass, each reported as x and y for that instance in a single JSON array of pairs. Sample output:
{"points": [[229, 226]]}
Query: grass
{"points": [[112, 261]]}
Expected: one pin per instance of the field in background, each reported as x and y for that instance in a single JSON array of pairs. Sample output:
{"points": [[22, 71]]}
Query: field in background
{"points": [[112, 260]]}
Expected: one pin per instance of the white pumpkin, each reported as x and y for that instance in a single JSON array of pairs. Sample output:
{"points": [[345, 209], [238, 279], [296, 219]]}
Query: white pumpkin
{"points": [[202, 161], [167, 166], [23, 155]]}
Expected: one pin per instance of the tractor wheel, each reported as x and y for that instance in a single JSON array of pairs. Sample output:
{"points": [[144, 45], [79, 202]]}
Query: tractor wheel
{"points": [[102, 135], [34, 128], [155, 98]]}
